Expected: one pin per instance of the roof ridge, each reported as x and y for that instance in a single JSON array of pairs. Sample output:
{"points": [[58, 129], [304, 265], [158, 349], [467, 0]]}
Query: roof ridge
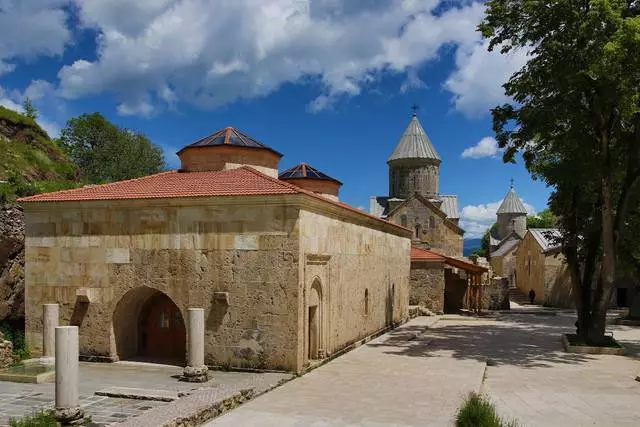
{"points": [[86, 186], [318, 197]]}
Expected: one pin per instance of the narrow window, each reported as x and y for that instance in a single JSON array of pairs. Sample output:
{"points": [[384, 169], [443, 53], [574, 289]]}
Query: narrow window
{"points": [[366, 301], [403, 220], [432, 222], [529, 265], [417, 231]]}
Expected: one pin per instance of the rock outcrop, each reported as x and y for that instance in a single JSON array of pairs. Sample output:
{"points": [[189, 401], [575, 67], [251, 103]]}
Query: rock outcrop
{"points": [[11, 262]]}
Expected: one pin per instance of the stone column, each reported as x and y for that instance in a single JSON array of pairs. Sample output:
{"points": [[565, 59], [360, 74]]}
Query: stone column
{"points": [[67, 411], [49, 324], [196, 371]]}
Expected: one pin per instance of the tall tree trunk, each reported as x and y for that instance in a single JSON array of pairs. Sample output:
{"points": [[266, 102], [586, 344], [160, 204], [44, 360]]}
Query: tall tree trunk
{"points": [[604, 288]]}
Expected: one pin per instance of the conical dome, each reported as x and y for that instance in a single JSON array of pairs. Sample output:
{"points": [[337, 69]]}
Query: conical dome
{"points": [[512, 204], [414, 144]]}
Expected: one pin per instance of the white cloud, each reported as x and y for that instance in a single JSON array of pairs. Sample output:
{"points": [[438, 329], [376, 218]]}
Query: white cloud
{"points": [[6, 68], [413, 81], [477, 82], [476, 219], [37, 91], [486, 147], [211, 53], [31, 28]]}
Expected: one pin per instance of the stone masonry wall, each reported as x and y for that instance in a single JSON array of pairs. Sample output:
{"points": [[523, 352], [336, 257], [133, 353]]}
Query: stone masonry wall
{"points": [[495, 295], [187, 249], [6, 352], [427, 285], [352, 261], [558, 290], [434, 233]]}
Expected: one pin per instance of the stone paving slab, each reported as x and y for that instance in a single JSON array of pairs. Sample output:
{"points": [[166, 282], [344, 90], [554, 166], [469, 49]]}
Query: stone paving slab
{"points": [[207, 402], [395, 380], [139, 393], [549, 387], [18, 400]]}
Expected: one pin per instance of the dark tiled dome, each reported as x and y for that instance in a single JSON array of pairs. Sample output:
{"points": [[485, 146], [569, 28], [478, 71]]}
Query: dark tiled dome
{"points": [[229, 136], [303, 170]]}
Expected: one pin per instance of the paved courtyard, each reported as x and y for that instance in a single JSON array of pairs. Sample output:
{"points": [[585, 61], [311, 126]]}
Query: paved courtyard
{"points": [[418, 374], [18, 400]]}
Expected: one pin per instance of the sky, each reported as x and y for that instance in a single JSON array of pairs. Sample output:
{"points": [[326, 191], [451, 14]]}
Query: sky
{"points": [[328, 82]]}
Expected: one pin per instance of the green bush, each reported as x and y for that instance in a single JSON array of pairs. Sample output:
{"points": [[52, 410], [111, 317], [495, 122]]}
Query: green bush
{"points": [[478, 411], [16, 336], [38, 419]]}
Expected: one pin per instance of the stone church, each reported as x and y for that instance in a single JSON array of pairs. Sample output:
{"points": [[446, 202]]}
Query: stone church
{"points": [[414, 199], [286, 273]]}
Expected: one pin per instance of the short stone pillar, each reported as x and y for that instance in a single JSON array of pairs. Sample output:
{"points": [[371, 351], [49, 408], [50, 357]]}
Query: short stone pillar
{"points": [[50, 319], [196, 370], [67, 410]]}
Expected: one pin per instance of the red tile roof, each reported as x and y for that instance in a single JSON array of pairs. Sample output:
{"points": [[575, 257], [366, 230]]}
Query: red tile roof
{"points": [[425, 255], [418, 254], [231, 182], [243, 181]]}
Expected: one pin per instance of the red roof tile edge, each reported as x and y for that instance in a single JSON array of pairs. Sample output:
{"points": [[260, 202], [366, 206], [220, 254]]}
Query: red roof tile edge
{"points": [[294, 188], [418, 254]]}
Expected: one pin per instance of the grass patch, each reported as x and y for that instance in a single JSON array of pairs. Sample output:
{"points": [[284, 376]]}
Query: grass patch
{"points": [[38, 419], [478, 411], [608, 342]]}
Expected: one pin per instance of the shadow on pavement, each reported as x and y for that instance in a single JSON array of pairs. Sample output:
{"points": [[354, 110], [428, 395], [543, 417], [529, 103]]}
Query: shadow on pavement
{"points": [[529, 341]]}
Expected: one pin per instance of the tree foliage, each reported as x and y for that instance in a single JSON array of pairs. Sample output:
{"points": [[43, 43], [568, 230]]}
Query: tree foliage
{"points": [[105, 152], [543, 219], [29, 109], [576, 120], [485, 243]]}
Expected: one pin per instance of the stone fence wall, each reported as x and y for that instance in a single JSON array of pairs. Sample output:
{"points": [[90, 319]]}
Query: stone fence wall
{"points": [[495, 295]]}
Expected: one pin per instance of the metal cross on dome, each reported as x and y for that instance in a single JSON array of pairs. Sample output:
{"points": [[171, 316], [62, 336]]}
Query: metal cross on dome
{"points": [[415, 108]]}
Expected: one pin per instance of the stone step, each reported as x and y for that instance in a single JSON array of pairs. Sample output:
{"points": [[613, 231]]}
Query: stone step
{"points": [[140, 393]]}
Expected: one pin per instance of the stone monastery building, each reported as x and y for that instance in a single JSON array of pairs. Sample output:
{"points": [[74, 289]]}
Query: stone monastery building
{"points": [[285, 272], [414, 199]]}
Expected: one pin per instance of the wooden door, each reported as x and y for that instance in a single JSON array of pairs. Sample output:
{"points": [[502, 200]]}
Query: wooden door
{"points": [[162, 331]]}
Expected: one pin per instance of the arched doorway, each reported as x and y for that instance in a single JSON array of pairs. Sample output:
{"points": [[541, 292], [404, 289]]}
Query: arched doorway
{"points": [[149, 326], [314, 319]]}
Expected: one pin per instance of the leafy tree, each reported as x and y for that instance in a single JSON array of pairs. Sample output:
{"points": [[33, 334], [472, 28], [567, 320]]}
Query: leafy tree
{"points": [[543, 219], [29, 109], [105, 153], [576, 120], [485, 243]]}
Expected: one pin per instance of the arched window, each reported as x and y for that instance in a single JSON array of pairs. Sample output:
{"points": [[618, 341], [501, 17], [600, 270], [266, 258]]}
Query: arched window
{"points": [[403, 220], [366, 301], [417, 231]]}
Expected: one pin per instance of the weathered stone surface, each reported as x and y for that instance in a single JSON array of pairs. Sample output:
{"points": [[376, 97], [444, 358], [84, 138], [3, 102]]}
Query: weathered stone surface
{"points": [[546, 273], [139, 393], [427, 285], [6, 352], [433, 230], [495, 295], [102, 262], [11, 262]]}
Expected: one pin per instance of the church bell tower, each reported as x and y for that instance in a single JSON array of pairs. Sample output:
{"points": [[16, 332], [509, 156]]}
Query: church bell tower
{"points": [[414, 166]]}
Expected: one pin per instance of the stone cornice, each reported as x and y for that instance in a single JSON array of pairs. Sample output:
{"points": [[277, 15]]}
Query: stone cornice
{"points": [[300, 201]]}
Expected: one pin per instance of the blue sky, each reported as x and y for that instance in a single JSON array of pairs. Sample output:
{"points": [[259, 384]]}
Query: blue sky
{"points": [[329, 82]]}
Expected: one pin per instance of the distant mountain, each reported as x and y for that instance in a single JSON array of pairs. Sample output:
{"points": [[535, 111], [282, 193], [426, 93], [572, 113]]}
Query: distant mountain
{"points": [[470, 245]]}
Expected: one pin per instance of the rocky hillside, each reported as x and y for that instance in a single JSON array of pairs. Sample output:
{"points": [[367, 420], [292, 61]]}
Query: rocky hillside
{"points": [[11, 263], [30, 163]]}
